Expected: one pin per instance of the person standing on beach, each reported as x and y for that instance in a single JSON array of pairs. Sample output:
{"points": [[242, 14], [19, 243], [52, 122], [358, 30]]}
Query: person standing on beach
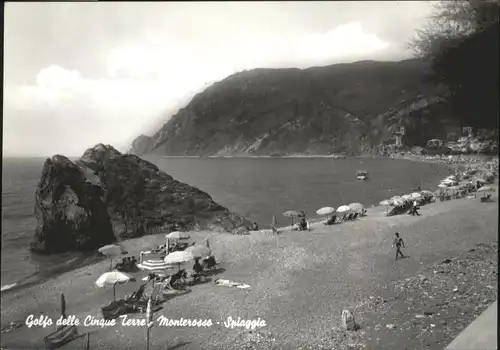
{"points": [[398, 242]]}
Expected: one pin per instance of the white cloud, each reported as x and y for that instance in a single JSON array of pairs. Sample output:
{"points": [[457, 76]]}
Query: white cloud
{"points": [[345, 41], [145, 80]]}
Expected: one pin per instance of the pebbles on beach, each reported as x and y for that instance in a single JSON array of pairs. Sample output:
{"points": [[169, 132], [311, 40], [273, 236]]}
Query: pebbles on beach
{"points": [[418, 300]]}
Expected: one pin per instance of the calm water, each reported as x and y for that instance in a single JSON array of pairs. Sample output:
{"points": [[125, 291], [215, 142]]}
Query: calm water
{"points": [[254, 188]]}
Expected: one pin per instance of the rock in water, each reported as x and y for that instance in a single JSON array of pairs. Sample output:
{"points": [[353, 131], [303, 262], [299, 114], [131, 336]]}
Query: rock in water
{"points": [[107, 195], [69, 211]]}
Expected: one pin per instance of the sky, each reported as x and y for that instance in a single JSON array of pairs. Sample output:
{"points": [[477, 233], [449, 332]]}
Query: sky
{"points": [[82, 73]]}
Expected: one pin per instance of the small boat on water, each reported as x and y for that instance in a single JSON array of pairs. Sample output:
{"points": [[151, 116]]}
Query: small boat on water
{"points": [[362, 175]]}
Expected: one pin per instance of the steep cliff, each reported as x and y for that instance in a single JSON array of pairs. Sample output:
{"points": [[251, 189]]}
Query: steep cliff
{"points": [[141, 145], [107, 195], [344, 108]]}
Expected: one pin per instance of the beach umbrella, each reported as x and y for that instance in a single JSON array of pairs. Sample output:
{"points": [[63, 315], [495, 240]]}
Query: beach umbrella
{"points": [[292, 214], [178, 235], [149, 317], [442, 186], [387, 202], [415, 195], [274, 222], [406, 197], [199, 251], [357, 207], [343, 209], [111, 250], [430, 193], [397, 200], [325, 211], [87, 341], [178, 258], [485, 189], [113, 278], [63, 306], [454, 188], [154, 265]]}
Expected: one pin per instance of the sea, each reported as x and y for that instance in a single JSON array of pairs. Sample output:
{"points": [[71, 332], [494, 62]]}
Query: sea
{"points": [[256, 188]]}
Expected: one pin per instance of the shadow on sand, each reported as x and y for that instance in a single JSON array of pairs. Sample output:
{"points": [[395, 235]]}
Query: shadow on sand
{"points": [[213, 272], [179, 345], [404, 257], [174, 294]]}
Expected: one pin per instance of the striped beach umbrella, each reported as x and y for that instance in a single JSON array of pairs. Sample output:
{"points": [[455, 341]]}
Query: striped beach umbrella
{"points": [[154, 265]]}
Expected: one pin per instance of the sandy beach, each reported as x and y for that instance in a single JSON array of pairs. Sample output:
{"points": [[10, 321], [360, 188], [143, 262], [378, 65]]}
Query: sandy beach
{"points": [[300, 281]]}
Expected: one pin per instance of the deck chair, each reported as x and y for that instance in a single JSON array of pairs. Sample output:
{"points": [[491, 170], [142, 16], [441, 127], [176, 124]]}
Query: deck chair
{"points": [[61, 337], [114, 309], [156, 298]]}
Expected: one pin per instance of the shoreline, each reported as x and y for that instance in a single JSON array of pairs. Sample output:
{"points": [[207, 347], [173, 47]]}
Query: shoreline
{"points": [[8, 287], [276, 268]]}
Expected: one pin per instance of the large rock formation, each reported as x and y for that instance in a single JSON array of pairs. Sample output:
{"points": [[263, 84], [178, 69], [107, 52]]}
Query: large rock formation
{"points": [[69, 210], [344, 108], [107, 195]]}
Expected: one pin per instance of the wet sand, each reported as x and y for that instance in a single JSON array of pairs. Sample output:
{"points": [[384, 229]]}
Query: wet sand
{"points": [[300, 281]]}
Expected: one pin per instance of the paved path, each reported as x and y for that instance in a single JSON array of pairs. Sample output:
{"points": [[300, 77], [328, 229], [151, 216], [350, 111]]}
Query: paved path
{"points": [[480, 334]]}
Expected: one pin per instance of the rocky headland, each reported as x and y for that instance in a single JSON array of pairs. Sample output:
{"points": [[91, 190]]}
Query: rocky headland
{"points": [[107, 196]]}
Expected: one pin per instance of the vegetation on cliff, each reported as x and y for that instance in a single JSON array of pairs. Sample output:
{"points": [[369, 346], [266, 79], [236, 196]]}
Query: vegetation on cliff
{"points": [[343, 108], [351, 108]]}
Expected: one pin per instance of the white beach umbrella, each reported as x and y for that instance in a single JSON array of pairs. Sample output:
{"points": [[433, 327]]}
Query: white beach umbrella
{"points": [[111, 250], [343, 209], [397, 201], [325, 211], [406, 197], [442, 186], [416, 195], [178, 235], [199, 251], [113, 278], [486, 189], [357, 207], [430, 193], [387, 202], [178, 258]]}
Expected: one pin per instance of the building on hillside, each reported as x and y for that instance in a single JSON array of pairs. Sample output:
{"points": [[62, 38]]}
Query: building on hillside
{"points": [[434, 143], [467, 131]]}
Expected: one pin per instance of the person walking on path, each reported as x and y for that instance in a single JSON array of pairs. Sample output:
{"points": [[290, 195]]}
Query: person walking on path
{"points": [[398, 242]]}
